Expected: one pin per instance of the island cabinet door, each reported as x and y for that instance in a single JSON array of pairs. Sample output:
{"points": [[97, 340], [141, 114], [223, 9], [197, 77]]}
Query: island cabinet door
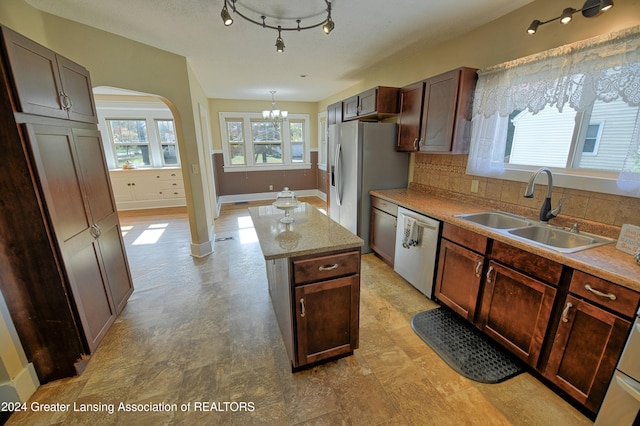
{"points": [[327, 315]]}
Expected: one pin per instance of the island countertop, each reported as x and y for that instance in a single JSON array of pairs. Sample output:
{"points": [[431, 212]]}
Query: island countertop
{"points": [[312, 232]]}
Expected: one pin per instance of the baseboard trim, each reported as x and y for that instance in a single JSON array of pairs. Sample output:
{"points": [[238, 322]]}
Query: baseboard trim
{"points": [[21, 387]]}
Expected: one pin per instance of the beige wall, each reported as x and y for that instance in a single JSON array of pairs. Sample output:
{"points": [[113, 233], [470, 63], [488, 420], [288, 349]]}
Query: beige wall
{"points": [[502, 40], [119, 62], [499, 41]]}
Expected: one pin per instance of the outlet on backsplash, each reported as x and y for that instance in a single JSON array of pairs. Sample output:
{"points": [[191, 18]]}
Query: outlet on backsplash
{"points": [[474, 186]]}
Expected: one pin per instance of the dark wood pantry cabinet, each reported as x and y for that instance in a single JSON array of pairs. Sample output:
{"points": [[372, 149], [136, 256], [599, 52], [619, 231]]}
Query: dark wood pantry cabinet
{"points": [[65, 276]]}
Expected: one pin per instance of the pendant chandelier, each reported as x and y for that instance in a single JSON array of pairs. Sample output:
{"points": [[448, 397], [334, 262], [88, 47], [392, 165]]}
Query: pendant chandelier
{"points": [[274, 115], [327, 23]]}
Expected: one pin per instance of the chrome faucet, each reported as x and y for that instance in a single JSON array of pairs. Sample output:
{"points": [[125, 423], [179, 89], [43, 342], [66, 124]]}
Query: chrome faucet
{"points": [[545, 212]]}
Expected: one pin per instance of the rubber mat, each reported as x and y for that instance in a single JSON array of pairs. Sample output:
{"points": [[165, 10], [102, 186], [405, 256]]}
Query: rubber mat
{"points": [[463, 347]]}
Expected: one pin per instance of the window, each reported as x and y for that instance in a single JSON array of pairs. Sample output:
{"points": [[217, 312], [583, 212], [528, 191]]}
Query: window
{"points": [[235, 142], [322, 140], [141, 132], [569, 139], [592, 139], [130, 141], [267, 142], [168, 142], [272, 145], [296, 133], [574, 109]]}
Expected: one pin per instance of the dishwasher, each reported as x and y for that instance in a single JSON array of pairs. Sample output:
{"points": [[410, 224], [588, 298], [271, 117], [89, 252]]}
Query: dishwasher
{"points": [[416, 249]]}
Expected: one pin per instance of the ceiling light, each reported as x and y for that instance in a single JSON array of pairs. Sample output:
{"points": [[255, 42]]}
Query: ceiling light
{"points": [[590, 9], [328, 26], [567, 15], [226, 17], [533, 27], [593, 8], [327, 23], [279, 42], [275, 115]]}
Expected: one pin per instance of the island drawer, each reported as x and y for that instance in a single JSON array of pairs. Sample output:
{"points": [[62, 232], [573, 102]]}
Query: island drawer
{"points": [[321, 268], [605, 293]]}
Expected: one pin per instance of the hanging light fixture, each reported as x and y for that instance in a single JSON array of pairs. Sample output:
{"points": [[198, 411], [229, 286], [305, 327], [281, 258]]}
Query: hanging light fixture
{"points": [[274, 115], [327, 23], [590, 9]]}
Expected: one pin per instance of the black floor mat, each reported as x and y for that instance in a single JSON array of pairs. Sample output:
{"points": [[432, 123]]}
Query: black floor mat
{"points": [[464, 348]]}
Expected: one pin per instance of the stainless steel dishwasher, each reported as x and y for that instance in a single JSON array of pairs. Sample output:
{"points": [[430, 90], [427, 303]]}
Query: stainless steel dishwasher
{"points": [[416, 249]]}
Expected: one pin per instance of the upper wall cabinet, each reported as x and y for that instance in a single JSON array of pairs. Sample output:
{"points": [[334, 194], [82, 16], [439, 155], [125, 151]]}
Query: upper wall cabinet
{"points": [[45, 83], [377, 103], [410, 116], [334, 113], [445, 124]]}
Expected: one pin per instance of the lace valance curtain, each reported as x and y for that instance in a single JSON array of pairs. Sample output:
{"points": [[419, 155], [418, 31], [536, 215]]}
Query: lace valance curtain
{"points": [[605, 68]]}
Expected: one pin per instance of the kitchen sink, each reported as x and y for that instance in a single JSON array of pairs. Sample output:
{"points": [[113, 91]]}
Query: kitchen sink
{"points": [[538, 233], [559, 239], [496, 219]]}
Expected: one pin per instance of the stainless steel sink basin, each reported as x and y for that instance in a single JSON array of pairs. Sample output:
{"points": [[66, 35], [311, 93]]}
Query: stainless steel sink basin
{"points": [[559, 239], [496, 219], [538, 233]]}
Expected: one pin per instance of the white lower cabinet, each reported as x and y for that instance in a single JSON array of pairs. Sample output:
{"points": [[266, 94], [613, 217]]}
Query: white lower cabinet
{"points": [[147, 188]]}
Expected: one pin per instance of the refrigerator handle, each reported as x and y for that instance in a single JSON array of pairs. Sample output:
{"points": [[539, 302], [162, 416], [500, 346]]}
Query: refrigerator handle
{"points": [[338, 174]]}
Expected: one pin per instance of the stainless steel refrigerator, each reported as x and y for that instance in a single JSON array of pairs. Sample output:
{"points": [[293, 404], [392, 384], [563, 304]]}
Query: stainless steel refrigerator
{"points": [[362, 157]]}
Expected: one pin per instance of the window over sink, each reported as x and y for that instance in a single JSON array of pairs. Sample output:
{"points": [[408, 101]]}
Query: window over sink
{"points": [[574, 109]]}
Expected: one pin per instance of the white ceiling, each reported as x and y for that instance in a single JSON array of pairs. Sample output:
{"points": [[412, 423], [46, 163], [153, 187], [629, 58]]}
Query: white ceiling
{"points": [[240, 61]]}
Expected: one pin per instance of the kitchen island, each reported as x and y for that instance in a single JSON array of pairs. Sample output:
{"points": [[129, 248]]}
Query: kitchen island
{"points": [[313, 270]]}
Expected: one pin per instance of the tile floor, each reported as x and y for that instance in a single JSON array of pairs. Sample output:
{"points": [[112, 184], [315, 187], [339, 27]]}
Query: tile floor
{"points": [[202, 332]]}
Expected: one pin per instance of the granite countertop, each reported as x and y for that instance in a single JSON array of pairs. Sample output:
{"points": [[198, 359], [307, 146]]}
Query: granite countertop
{"points": [[312, 232], [605, 261]]}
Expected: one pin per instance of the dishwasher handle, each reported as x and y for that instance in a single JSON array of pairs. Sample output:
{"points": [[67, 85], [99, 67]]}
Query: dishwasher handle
{"points": [[427, 226]]}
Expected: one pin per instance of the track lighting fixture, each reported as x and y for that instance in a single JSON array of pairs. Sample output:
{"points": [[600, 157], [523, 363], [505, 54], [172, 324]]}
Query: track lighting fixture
{"points": [[327, 23], [590, 9]]}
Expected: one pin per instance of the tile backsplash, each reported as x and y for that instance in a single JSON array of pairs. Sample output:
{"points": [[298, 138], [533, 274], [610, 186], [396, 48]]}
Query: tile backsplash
{"points": [[444, 175]]}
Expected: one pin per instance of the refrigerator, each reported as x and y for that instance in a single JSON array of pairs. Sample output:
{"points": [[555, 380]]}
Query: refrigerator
{"points": [[362, 157]]}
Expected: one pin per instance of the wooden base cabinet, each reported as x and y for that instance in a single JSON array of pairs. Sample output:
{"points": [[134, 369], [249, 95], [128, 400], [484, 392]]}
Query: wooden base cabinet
{"points": [[327, 319], [316, 300], [515, 311], [65, 276], [591, 333], [585, 351], [460, 270]]}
